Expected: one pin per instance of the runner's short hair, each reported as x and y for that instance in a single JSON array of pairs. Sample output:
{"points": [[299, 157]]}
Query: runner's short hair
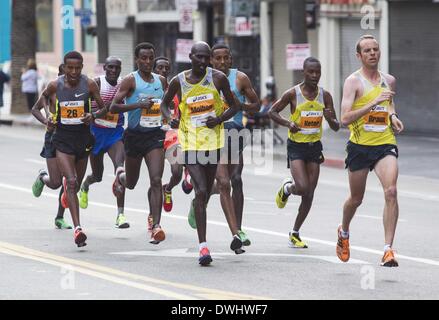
{"points": [[143, 45], [310, 60], [73, 55], [158, 59], [218, 46], [363, 37]]}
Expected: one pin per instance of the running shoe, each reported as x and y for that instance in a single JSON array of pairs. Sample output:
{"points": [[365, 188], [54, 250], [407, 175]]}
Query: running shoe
{"points": [[61, 224], [121, 222], [157, 235], [80, 237], [191, 216], [244, 238], [64, 200], [294, 241], [205, 258], [83, 198], [239, 251], [167, 199], [388, 259], [185, 184], [117, 186], [150, 222], [236, 243], [343, 252], [38, 185], [281, 197]]}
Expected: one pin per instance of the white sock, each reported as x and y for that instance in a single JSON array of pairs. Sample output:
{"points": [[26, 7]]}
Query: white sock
{"points": [[286, 186], [119, 210], [387, 247], [294, 232], [78, 227], [203, 245], [344, 234]]}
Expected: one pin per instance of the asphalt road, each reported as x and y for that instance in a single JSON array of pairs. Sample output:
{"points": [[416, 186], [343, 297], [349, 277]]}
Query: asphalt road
{"points": [[38, 261]]}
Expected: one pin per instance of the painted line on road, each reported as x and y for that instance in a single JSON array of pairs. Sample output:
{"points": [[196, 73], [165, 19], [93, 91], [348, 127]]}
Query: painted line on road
{"points": [[263, 231], [376, 217], [120, 277], [186, 253], [35, 161]]}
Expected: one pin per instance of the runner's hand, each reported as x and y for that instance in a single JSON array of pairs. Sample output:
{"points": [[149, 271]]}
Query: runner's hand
{"points": [[329, 113], [293, 128], [50, 124], [175, 123], [87, 118], [145, 103], [386, 95], [397, 125], [212, 122]]}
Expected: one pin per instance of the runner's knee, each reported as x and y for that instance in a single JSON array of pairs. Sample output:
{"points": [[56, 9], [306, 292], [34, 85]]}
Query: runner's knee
{"points": [[223, 185], [302, 189], [201, 194], [390, 193], [156, 182], [236, 181], [71, 184], [355, 201]]}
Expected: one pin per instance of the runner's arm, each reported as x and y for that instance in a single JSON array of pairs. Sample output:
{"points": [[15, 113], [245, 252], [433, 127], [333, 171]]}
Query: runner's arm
{"points": [[223, 84], [397, 124], [42, 103], [165, 107], [96, 96], [288, 98], [125, 90], [329, 112], [349, 93], [249, 93]]}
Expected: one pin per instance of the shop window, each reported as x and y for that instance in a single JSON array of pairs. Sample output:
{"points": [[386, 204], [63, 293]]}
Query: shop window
{"points": [[44, 21]]}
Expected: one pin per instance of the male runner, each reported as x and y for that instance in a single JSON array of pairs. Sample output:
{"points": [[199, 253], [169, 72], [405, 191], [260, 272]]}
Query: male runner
{"points": [[72, 138], [49, 153], [230, 168], [171, 145], [200, 130], [143, 139], [108, 133], [309, 104], [369, 111]]}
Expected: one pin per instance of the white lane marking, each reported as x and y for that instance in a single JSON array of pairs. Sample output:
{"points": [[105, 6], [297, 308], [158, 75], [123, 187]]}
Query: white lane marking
{"points": [[185, 253], [263, 231], [345, 185], [35, 161], [376, 217]]}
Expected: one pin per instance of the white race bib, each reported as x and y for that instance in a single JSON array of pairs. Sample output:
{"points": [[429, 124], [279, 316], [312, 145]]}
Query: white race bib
{"points": [[201, 108], [377, 119], [152, 118], [310, 122], [72, 112]]}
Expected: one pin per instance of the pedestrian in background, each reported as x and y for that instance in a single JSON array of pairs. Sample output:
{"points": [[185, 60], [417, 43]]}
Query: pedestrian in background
{"points": [[29, 80], [3, 79]]}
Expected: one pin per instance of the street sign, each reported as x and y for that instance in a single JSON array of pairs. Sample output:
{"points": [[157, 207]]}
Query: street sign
{"points": [[183, 48], [296, 55], [185, 9], [243, 26]]}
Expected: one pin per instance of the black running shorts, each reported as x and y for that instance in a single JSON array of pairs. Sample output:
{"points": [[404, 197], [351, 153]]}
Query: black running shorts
{"points": [[306, 151], [74, 143], [138, 144], [361, 156], [49, 150]]}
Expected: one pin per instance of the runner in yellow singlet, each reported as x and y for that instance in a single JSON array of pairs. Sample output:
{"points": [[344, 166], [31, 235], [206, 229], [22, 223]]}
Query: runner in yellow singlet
{"points": [[369, 111], [201, 130], [309, 104]]}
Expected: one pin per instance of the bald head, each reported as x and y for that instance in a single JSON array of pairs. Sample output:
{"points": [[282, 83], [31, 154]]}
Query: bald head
{"points": [[113, 60], [200, 46]]}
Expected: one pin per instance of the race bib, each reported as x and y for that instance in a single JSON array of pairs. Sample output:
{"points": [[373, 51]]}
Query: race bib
{"points": [[109, 121], [377, 119], [310, 122], [71, 112], [152, 118], [201, 108]]}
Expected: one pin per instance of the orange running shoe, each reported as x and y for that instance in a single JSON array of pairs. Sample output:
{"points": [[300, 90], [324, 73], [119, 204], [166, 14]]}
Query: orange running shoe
{"points": [[80, 237], [157, 235], [167, 199], [388, 259], [64, 201], [205, 258], [343, 252]]}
